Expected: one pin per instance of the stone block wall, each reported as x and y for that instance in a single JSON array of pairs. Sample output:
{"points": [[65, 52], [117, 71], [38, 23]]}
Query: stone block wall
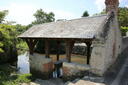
{"points": [[73, 70], [40, 66], [97, 60], [105, 51]]}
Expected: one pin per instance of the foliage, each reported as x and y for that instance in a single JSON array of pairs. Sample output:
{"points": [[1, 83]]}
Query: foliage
{"points": [[124, 30], [9, 77], [1, 45], [8, 52], [21, 46], [9, 43], [123, 16], [2, 15], [24, 78], [20, 29], [85, 14], [43, 17]]}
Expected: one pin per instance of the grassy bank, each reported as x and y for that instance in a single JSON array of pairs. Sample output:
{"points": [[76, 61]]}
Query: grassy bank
{"points": [[8, 76]]}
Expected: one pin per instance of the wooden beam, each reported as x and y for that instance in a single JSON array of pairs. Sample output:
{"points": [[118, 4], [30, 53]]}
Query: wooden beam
{"points": [[69, 46], [31, 44], [88, 51], [72, 39], [47, 48], [58, 50]]}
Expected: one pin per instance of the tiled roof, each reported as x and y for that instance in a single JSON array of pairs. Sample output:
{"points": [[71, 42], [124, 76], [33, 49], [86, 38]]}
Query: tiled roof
{"points": [[85, 28]]}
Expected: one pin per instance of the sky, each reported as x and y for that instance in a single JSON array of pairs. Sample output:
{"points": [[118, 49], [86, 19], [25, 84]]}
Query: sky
{"points": [[21, 11]]}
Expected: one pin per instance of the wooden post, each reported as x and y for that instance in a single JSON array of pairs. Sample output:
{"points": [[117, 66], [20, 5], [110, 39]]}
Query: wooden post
{"points": [[58, 50], [88, 51], [31, 44], [69, 46], [47, 48]]}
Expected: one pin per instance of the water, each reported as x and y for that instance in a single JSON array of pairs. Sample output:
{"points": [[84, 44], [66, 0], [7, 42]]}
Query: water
{"points": [[23, 63]]}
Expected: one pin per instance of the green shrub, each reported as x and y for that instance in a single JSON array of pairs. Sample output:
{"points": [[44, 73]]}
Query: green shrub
{"points": [[124, 30], [24, 78], [9, 77]]}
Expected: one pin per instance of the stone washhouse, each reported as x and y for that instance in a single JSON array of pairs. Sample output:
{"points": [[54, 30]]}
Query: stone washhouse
{"points": [[99, 32]]}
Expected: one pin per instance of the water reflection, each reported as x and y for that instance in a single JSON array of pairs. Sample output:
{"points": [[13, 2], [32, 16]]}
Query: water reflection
{"points": [[23, 63]]}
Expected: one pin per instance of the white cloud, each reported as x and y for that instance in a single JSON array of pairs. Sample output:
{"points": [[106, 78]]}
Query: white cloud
{"points": [[120, 1], [61, 14], [23, 13], [100, 4]]}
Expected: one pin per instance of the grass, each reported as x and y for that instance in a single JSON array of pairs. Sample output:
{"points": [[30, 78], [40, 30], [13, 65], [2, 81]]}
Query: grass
{"points": [[74, 58], [8, 76]]}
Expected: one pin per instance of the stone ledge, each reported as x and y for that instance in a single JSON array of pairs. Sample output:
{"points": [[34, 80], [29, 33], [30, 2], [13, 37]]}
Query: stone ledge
{"points": [[83, 82], [72, 71], [83, 67], [40, 66]]}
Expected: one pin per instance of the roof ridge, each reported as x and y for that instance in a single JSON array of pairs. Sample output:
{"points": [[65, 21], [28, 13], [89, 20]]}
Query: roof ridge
{"points": [[89, 17]]}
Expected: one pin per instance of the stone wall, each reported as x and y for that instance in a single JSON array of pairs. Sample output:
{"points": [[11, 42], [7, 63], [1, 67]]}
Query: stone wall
{"points": [[40, 66], [105, 51], [73, 70]]}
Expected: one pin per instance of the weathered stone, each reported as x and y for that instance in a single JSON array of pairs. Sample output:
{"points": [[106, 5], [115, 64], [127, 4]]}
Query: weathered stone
{"points": [[83, 82], [40, 66], [56, 81], [74, 70], [104, 54]]}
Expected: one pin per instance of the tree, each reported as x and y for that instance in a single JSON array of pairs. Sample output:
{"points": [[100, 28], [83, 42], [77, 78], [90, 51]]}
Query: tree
{"points": [[8, 52], [123, 19], [124, 30], [123, 16], [85, 14], [43, 17], [3, 15]]}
